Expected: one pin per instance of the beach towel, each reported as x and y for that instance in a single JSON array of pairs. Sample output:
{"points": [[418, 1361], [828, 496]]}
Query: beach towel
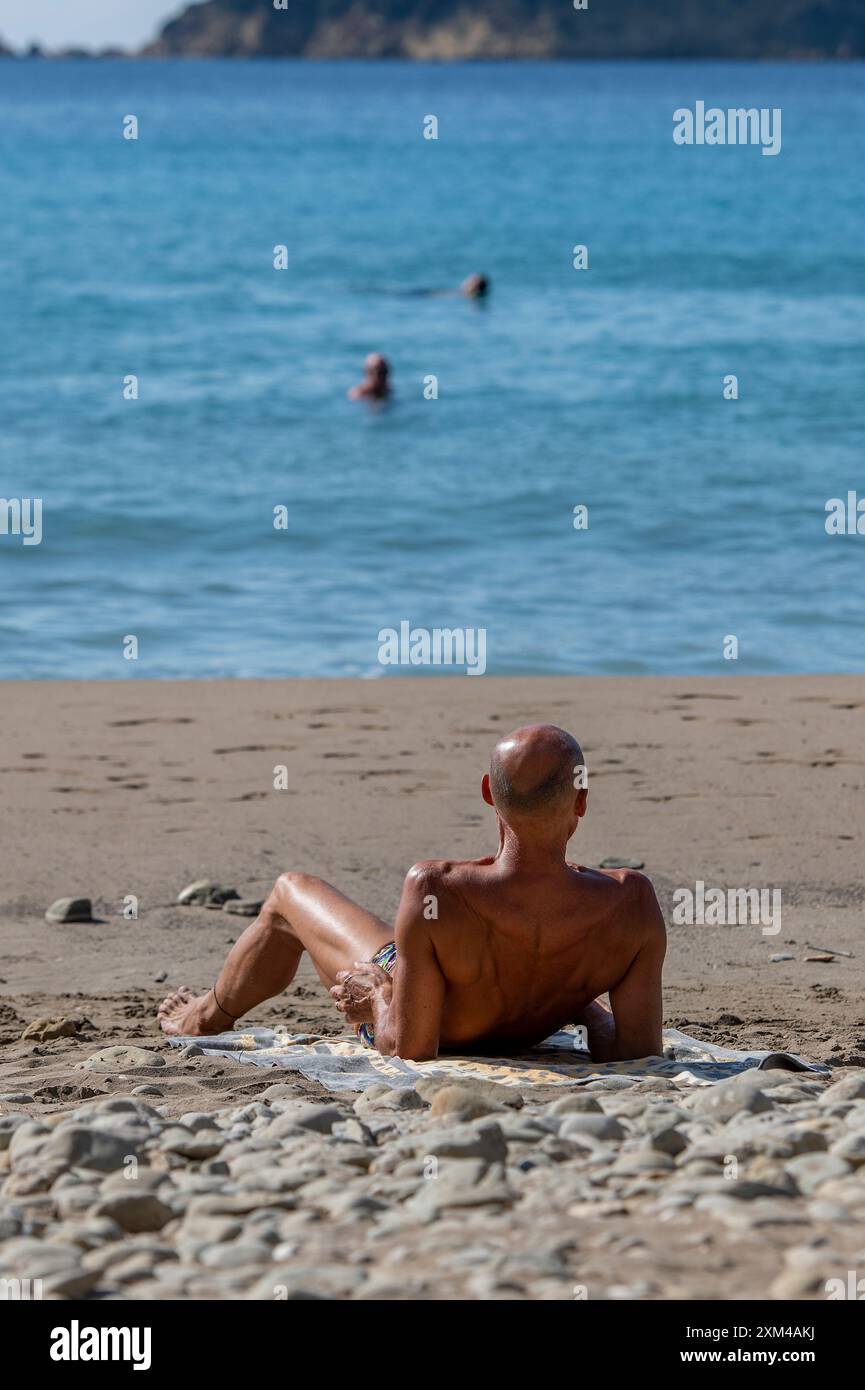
{"points": [[344, 1064]]}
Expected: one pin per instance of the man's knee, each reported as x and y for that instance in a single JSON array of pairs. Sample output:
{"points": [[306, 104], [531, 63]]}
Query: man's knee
{"points": [[288, 887], [293, 881]]}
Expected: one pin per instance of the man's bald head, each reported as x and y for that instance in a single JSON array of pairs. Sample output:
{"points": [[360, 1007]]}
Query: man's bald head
{"points": [[533, 772]]}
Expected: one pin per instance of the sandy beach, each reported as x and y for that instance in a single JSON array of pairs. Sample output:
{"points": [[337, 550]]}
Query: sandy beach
{"points": [[118, 789]]}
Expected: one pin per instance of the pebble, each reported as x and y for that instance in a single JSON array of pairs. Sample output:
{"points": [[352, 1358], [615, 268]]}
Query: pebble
{"points": [[205, 893], [135, 1212], [849, 1088], [480, 1139], [428, 1087], [575, 1105], [70, 910], [46, 1029], [727, 1099], [378, 1097], [83, 1146], [189, 1144], [810, 1171], [119, 1059], [237, 1254], [304, 1115], [463, 1103], [601, 1127], [851, 1147]]}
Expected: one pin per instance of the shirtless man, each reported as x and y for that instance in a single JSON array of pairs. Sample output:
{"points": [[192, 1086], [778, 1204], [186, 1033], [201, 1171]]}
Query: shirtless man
{"points": [[376, 384], [489, 954]]}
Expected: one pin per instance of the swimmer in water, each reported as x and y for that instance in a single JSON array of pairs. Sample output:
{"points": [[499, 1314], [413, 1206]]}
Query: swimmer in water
{"points": [[376, 384], [473, 287]]}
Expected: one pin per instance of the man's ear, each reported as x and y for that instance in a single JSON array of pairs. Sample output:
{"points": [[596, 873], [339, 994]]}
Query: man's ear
{"points": [[582, 802], [485, 789]]}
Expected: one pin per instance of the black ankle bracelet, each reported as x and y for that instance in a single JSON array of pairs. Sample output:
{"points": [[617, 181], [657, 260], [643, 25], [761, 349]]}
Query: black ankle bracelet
{"points": [[233, 1017]]}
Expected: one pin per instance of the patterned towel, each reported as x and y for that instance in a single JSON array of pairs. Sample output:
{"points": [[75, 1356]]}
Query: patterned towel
{"points": [[344, 1064]]}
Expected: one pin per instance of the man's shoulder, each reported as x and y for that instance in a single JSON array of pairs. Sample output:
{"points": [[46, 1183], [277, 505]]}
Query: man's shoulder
{"points": [[428, 871], [620, 883], [445, 872], [439, 891], [633, 901]]}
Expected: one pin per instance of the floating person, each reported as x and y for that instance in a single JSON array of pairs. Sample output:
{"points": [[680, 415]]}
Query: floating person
{"points": [[376, 382], [520, 943], [475, 286]]}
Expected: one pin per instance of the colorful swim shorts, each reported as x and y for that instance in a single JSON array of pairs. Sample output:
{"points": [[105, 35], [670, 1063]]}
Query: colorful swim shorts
{"points": [[385, 958]]}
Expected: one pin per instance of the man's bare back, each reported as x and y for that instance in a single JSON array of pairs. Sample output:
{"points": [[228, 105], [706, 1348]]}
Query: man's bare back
{"points": [[491, 954], [522, 953]]}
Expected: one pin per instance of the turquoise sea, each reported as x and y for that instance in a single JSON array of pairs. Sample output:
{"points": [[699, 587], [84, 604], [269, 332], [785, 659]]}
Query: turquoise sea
{"points": [[602, 387]]}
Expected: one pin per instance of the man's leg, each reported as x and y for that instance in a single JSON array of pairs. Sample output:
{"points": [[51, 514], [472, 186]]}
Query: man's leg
{"points": [[303, 913]]}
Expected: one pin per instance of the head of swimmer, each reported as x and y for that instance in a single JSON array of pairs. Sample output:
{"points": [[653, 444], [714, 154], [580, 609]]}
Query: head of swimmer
{"points": [[376, 379], [537, 784], [475, 287], [377, 369]]}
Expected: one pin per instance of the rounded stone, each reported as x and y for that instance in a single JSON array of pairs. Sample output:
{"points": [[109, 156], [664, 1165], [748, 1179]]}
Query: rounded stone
{"points": [[70, 910], [118, 1059]]}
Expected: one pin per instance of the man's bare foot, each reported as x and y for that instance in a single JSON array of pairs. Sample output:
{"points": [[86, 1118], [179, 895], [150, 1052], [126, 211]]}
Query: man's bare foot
{"points": [[184, 1014]]}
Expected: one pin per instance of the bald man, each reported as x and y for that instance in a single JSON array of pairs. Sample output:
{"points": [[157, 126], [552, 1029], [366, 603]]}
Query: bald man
{"points": [[376, 381], [488, 954]]}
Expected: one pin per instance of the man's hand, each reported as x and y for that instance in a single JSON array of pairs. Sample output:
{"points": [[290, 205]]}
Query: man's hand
{"points": [[355, 990]]}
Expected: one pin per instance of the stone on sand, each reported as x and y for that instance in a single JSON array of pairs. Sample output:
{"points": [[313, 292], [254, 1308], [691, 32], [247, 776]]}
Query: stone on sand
{"points": [[206, 893], [726, 1099], [46, 1029], [849, 1088], [294, 1114], [135, 1212], [464, 1103], [480, 1139], [811, 1170], [84, 1146], [187, 1143], [70, 910], [578, 1104], [600, 1127], [120, 1058], [243, 907], [381, 1097]]}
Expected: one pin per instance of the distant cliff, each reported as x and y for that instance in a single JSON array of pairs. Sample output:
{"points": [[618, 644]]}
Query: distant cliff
{"points": [[465, 29]]}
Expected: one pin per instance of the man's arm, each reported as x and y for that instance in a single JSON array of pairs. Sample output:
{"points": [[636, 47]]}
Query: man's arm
{"points": [[407, 1019], [636, 1000]]}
